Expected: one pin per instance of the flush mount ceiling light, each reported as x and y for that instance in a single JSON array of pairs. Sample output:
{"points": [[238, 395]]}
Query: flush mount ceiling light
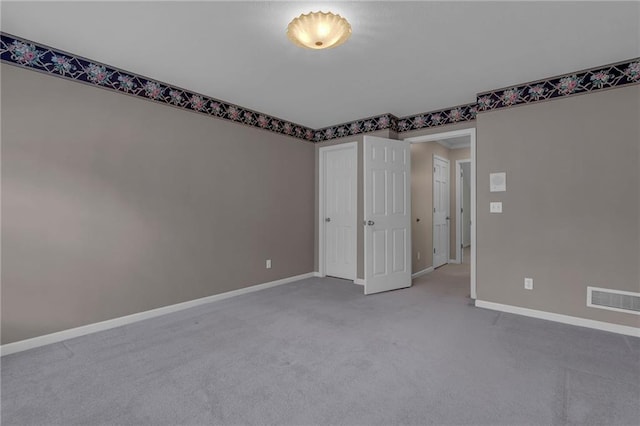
{"points": [[319, 30]]}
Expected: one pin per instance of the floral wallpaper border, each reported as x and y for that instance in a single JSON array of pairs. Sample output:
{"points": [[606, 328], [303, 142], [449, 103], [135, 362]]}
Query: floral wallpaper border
{"points": [[28, 54], [364, 125], [599, 78], [457, 114]]}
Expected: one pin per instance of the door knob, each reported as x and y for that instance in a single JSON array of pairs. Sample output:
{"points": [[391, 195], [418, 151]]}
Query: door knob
{"points": [[370, 223], [328, 219], [447, 218]]}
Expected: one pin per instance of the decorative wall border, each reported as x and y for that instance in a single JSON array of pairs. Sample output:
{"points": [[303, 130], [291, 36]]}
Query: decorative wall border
{"points": [[604, 77], [364, 125], [28, 54], [457, 114], [442, 117]]}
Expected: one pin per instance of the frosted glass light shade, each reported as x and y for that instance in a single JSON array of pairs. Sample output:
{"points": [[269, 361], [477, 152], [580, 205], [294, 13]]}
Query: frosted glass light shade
{"points": [[319, 30]]}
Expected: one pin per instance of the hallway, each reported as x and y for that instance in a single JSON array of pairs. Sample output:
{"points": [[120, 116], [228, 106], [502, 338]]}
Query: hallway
{"points": [[450, 280]]}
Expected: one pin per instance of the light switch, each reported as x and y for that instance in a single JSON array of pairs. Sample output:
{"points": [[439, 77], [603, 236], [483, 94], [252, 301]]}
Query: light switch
{"points": [[495, 207]]}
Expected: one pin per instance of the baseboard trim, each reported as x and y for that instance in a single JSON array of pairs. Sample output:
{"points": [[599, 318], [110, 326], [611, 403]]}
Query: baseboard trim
{"points": [[423, 272], [317, 274], [71, 333], [565, 319], [456, 261], [358, 281]]}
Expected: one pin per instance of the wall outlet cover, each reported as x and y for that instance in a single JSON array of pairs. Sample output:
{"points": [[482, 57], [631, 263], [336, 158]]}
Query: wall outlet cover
{"points": [[495, 207], [528, 283]]}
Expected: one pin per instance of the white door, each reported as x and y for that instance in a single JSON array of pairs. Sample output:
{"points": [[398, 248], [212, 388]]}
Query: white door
{"points": [[440, 211], [339, 165], [387, 214]]}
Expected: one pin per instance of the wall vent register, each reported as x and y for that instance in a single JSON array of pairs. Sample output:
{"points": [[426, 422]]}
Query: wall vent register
{"points": [[613, 300]]}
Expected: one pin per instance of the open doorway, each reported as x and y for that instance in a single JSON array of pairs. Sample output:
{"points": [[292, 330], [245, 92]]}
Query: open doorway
{"points": [[441, 216]]}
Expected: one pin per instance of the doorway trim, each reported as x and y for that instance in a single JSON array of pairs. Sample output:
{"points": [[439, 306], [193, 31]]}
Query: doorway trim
{"points": [[459, 215], [321, 195], [471, 132]]}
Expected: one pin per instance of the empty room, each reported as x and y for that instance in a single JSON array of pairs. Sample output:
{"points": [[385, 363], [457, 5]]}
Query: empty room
{"points": [[320, 213]]}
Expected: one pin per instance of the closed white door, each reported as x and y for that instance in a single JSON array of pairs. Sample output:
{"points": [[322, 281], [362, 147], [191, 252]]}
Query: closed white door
{"points": [[387, 214], [339, 187], [440, 211]]}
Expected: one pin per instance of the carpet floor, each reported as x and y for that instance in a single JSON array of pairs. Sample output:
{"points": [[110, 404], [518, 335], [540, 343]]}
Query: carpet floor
{"points": [[319, 352]]}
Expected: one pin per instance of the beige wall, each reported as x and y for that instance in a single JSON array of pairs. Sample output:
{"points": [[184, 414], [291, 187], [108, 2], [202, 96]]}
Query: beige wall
{"points": [[113, 205], [571, 209]]}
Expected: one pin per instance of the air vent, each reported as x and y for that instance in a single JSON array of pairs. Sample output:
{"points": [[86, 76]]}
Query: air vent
{"points": [[613, 300]]}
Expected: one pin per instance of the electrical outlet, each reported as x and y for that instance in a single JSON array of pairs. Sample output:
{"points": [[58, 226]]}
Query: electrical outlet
{"points": [[528, 283], [418, 255], [268, 264]]}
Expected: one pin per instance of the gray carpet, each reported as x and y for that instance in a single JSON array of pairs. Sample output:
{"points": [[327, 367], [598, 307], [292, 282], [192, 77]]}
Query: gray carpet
{"points": [[318, 352]]}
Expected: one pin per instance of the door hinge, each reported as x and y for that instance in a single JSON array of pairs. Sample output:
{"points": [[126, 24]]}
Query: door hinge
{"points": [[461, 210], [434, 209], [434, 170], [434, 250]]}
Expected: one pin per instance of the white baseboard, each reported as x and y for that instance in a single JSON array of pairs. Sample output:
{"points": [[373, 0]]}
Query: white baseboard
{"points": [[454, 261], [317, 274], [565, 319], [423, 272], [59, 336]]}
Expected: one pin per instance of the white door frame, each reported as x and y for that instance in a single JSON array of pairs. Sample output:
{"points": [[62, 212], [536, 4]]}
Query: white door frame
{"points": [[459, 202], [448, 205], [321, 222], [472, 136]]}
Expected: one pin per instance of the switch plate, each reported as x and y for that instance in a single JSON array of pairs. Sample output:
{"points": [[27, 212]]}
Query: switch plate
{"points": [[528, 283], [268, 264], [495, 207]]}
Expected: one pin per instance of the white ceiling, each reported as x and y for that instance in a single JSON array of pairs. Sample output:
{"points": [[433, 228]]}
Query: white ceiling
{"points": [[403, 58]]}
